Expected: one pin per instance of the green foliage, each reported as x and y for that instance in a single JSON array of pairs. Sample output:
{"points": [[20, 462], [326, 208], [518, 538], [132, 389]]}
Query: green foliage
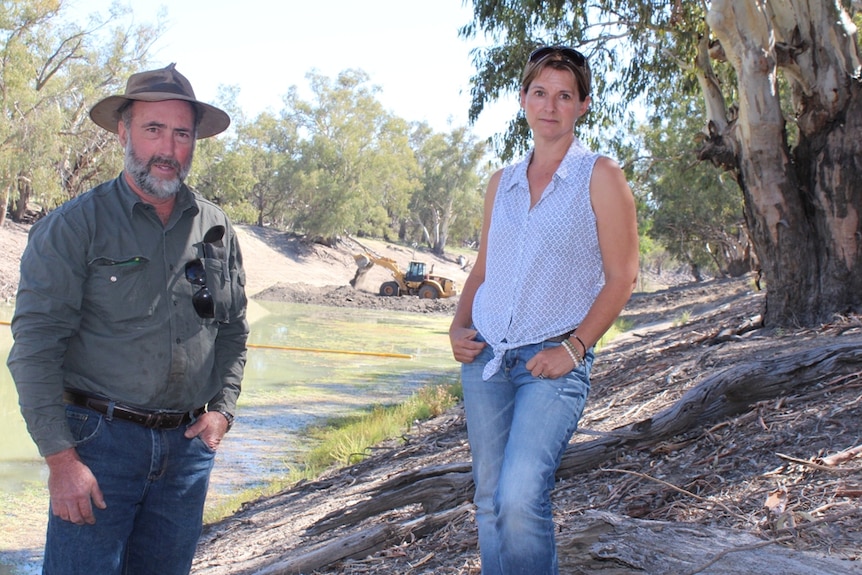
{"points": [[682, 319], [451, 190], [665, 33], [51, 72], [355, 162], [347, 440], [695, 210], [241, 213]]}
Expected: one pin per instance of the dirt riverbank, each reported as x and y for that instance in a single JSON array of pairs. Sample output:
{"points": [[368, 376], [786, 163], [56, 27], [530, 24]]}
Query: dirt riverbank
{"points": [[773, 487]]}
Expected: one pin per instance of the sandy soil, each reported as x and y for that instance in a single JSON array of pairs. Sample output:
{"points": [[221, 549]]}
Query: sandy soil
{"points": [[13, 239]]}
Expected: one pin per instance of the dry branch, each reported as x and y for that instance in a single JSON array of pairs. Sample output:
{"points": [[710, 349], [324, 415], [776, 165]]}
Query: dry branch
{"points": [[361, 544], [724, 394], [435, 488], [842, 457], [605, 543], [611, 540]]}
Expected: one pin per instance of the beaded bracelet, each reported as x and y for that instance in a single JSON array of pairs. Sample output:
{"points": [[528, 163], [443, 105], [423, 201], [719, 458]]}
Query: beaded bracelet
{"points": [[580, 341], [573, 353]]}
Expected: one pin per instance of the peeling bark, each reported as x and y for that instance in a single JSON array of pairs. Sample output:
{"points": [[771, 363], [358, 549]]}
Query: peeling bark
{"points": [[802, 201]]}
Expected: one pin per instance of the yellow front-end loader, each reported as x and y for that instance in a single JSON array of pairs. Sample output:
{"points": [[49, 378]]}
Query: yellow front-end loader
{"points": [[415, 281]]}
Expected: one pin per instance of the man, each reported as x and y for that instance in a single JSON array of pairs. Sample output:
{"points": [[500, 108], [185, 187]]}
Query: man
{"points": [[130, 342]]}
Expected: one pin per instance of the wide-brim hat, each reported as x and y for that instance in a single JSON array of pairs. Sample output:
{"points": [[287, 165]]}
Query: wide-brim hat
{"points": [[157, 86]]}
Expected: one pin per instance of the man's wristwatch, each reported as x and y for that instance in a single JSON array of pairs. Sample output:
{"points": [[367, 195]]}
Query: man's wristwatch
{"points": [[228, 416]]}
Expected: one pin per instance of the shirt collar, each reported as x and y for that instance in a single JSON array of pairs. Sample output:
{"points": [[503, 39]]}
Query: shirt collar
{"points": [[519, 175], [129, 199]]}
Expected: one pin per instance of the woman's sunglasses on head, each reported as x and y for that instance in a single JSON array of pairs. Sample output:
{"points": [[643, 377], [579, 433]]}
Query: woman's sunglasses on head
{"points": [[570, 54]]}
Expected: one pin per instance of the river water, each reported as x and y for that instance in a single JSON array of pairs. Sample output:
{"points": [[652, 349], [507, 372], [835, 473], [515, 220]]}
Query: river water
{"points": [[306, 364]]}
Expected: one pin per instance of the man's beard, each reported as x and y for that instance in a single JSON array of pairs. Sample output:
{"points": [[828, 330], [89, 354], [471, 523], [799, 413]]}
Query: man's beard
{"points": [[151, 185]]}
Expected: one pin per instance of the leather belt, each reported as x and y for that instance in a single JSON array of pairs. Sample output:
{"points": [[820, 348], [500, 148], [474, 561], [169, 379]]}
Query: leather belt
{"points": [[151, 419], [560, 338]]}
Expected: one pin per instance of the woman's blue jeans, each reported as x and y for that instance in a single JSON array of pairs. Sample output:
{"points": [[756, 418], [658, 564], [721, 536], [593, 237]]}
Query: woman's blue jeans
{"points": [[155, 484], [518, 427]]}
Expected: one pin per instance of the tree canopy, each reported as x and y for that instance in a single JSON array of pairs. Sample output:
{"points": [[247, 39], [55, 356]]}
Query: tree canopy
{"points": [[51, 72]]}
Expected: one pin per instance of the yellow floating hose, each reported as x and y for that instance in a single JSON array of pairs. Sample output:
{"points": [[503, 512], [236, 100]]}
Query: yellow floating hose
{"points": [[344, 351]]}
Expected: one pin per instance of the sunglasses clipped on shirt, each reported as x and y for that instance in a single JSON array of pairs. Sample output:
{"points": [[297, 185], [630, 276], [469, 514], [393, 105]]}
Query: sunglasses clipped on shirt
{"points": [[196, 274], [202, 300]]}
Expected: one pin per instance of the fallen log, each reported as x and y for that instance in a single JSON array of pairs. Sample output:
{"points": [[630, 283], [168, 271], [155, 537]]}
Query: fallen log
{"points": [[607, 544], [361, 544], [724, 394], [435, 488]]}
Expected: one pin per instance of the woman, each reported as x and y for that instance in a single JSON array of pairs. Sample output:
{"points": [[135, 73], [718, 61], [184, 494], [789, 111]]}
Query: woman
{"points": [[558, 261]]}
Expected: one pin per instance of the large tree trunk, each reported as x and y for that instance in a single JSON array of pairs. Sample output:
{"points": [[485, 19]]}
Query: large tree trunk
{"points": [[802, 202], [22, 204], [4, 204]]}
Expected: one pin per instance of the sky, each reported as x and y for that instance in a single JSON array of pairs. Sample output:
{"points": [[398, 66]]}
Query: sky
{"points": [[409, 48]]}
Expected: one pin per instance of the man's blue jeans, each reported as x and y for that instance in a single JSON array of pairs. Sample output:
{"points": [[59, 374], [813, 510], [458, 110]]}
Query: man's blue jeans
{"points": [[518, 427], [154, 483]]}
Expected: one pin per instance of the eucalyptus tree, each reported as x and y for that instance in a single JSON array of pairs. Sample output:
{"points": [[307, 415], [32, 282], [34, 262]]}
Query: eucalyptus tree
{"points": [[223, 169], [450, 186], [356, 163], [28, 63], [696, 210], [751, 61], [271, 145], [51, 72]]}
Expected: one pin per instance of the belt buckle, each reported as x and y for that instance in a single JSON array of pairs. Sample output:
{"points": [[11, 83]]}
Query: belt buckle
{"points": [[169, 420], [161, 420], [152, 421]]}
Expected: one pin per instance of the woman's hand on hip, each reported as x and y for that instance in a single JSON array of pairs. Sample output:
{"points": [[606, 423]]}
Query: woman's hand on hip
{"points": [[550, 363], [465, 348]]}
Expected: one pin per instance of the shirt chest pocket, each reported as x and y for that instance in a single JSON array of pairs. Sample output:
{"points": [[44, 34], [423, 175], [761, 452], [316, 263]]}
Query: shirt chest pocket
{"points": [[120, 291], [217, 282]]}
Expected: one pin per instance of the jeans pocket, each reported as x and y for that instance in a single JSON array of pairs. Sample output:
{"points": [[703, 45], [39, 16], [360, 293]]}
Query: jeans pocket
{"points": [[83, 424], [198, 442]]}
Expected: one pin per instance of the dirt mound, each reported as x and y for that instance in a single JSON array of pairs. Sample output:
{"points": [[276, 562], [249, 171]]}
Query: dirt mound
{"points": [[13, 239], [346, 296], [284, 267]]}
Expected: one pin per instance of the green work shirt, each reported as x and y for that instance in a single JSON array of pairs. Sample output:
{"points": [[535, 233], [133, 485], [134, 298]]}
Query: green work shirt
{"points": [[104, 307]]}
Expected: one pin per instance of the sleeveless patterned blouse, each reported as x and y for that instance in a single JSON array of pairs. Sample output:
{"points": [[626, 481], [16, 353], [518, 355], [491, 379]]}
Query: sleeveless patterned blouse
{"points": [[543, 266]]}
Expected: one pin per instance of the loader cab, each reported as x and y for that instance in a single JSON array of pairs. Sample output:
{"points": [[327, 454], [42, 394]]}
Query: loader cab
{"points": [[415, 272]]}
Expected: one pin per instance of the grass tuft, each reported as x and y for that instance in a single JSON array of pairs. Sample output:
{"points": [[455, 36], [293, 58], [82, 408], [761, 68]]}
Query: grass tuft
{"points": [[347, 440]]}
